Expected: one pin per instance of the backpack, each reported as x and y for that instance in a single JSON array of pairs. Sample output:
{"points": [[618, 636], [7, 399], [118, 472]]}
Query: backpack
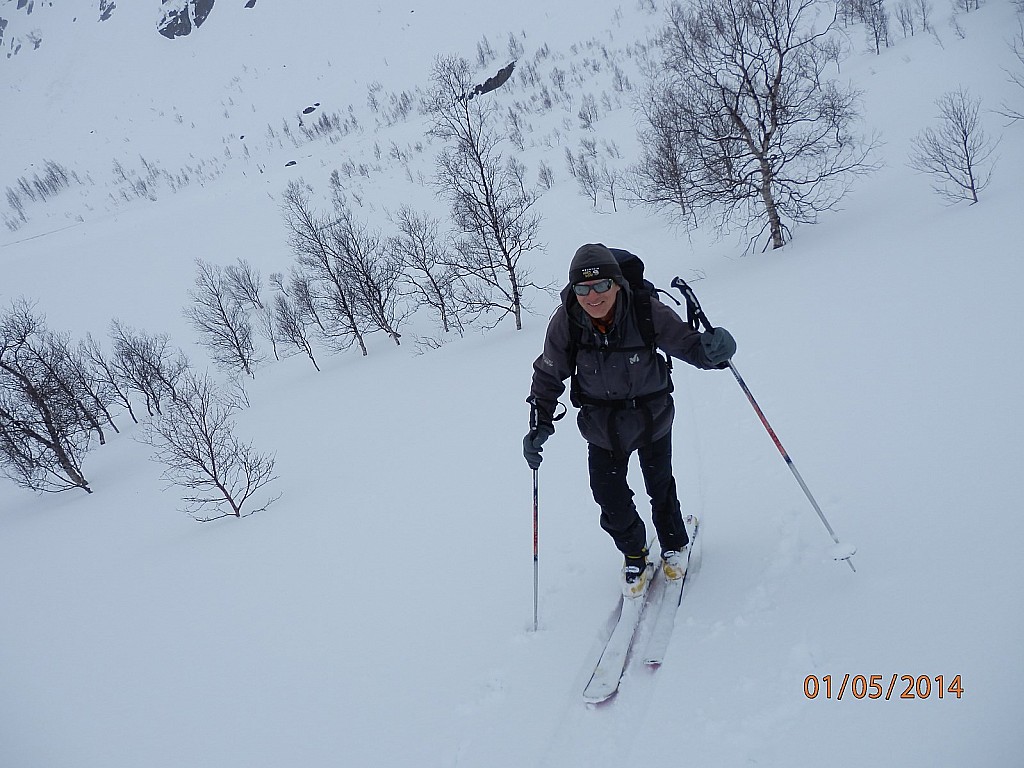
{"points": [[643, 291]]}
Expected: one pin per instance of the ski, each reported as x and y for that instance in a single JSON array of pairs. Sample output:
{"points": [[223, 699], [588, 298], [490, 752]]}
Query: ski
{"points": [[665, 616], [604, 682]]}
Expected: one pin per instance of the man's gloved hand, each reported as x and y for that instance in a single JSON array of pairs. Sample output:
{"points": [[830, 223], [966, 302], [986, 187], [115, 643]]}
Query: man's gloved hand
{"points": [[719, 346], [533, 441]]}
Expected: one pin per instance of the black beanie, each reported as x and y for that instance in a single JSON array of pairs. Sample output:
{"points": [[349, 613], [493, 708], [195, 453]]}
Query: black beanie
{"points": [[592, 262]]}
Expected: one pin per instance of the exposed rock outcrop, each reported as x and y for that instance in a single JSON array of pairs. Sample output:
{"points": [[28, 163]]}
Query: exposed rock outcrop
{"points": [[106, 9], [180, 17]]}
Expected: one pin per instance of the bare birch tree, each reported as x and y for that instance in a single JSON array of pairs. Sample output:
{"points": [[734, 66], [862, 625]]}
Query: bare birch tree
{"points": [[221, 320], [1015, 113], [906, 17], [330, 298], [104, 375], [372, 273], [924, 12], [243, 283], [292, 325], [428, 269], [147, 364], [63, 360], [44, 433], [490, 203], [876, 21], [742, 125]]}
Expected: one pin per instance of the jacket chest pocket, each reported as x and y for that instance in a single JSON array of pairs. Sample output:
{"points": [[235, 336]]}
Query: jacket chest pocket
{"points": [[608, 373]]}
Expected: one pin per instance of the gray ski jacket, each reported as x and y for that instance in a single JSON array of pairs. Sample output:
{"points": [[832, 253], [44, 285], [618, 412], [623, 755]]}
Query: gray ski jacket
{"points": [[622, 385]]}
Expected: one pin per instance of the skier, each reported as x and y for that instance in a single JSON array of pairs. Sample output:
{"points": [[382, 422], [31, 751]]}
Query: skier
{"points": [[599, 336]]}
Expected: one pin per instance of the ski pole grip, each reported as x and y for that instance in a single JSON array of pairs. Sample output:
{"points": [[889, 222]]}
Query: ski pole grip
{"points": [[693, 307]]}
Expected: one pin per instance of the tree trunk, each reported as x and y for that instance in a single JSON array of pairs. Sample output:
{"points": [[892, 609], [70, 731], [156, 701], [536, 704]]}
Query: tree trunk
{"points": [[774, 220]]}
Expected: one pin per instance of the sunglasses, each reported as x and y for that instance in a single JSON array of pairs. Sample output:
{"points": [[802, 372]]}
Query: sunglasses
{"points": [[601, 286]]}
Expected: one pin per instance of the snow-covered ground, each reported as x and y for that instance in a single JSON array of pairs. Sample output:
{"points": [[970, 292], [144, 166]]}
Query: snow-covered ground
{"points": [[380, 613]]}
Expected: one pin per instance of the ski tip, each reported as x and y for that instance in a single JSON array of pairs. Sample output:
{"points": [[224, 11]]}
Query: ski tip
{"points": [[598, 691]]}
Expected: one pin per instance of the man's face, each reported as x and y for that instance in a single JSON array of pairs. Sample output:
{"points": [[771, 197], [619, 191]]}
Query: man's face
{"points": [[597, 297]]}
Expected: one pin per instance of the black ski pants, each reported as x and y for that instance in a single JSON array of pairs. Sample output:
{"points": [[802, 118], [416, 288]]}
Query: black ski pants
{"points": [[619, 516]]}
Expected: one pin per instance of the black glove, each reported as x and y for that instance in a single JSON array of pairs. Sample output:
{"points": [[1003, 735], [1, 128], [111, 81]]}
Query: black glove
{"points": [[719, 346], [532, 443]]}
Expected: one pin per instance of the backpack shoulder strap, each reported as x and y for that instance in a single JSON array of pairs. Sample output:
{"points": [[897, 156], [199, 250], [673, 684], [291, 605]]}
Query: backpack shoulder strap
{"points": [[644, 315]]}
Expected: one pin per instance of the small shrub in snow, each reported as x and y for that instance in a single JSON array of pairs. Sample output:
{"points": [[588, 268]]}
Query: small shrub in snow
{"points": [[957, 153], [194, 439]]}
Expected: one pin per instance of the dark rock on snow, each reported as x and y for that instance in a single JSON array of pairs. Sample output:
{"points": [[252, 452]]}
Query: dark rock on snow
{"points": [[181, 19]]}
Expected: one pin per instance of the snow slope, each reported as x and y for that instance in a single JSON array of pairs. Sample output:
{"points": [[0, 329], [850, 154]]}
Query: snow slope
{"points": [[883, 345]]}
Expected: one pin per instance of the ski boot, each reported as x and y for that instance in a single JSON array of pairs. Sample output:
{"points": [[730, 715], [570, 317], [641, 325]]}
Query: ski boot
{"points": [[673, 563], [636, 575]]}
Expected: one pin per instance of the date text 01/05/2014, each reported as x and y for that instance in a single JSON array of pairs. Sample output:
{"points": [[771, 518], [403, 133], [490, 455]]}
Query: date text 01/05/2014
{"points": [[874, 687]]}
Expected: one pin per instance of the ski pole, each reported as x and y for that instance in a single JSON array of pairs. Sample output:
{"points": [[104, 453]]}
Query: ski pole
{"points": [[534, 421], [696, 315], [536, 560]]}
